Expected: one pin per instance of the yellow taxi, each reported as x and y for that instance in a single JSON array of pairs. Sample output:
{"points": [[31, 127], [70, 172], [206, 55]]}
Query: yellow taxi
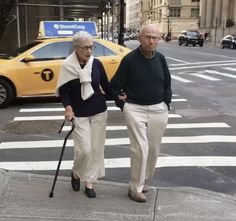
{"points": [[32, 70]]}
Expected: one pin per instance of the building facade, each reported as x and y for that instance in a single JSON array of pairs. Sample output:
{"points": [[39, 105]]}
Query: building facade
{"points": [[169, 15], [218, 17]]}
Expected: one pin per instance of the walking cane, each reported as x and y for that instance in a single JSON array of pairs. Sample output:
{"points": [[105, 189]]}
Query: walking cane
{"points": [[61, 155]]}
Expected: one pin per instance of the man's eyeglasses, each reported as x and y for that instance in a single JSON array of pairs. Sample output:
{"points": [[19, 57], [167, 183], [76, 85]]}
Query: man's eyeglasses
{"points": [[154, 38], [86, 48]]}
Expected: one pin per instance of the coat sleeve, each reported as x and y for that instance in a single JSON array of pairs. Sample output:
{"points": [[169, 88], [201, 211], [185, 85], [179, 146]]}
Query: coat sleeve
{"points": [[118, 82]]}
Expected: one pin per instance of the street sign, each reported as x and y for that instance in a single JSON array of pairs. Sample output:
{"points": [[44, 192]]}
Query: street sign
{"points": [[55, 29]]}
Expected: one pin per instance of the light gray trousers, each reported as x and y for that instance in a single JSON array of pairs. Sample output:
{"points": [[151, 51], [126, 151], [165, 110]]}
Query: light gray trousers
{"points": [[89, 141], [146, 125]]}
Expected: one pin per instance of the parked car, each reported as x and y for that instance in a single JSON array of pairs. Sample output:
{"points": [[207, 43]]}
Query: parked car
{"points": [[191, 37], [32, 70], [229, 41]]}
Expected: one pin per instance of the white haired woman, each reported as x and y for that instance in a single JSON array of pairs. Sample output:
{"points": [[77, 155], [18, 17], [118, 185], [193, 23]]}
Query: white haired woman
{"points": [[79, 86]]}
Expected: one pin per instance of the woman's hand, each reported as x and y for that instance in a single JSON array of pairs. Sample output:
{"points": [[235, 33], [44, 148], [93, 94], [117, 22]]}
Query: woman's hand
{"points": [[69, 114]]}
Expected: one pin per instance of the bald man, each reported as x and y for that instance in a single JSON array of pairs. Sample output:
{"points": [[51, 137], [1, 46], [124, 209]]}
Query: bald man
{"points": [[142, 89]]}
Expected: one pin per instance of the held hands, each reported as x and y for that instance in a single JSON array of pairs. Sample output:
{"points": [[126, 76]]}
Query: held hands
{"points": [[122, 97]]}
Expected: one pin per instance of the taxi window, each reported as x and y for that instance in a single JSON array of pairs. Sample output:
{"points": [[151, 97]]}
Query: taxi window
{"points": [[101, 50], [56, 50]]}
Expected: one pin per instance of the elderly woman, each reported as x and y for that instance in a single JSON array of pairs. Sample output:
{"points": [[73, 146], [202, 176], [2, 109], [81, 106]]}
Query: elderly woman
{"points": [[79, 86]]}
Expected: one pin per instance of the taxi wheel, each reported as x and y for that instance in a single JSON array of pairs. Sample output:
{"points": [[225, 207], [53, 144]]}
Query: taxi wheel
{"points": [[7, 94]]}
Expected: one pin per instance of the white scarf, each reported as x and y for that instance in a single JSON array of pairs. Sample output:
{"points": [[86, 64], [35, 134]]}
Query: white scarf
{"points": [[71, 70]]}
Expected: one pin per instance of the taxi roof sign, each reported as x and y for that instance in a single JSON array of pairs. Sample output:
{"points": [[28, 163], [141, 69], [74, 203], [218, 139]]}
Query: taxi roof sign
{"points": [[55, 29]]}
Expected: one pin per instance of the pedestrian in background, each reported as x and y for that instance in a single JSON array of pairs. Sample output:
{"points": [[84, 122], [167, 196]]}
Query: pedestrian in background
{"points": [[142, 89], [78, 86]]}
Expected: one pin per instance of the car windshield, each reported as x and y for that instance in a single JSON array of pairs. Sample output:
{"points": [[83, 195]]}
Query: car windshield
{"points": [[18, 51], [192, 34]]}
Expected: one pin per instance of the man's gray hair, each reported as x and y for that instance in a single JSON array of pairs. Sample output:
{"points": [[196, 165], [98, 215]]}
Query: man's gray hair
{"points": [[80, 36]]}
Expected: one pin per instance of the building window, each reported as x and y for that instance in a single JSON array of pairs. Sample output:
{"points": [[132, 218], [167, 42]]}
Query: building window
{"points": [[195, 12], [195, 0], [174, 12], [174, 2]]}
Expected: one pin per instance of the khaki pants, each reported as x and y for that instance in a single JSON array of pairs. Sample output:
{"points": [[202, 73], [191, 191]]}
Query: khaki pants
{"points": [[89, 140], [146, 125]]}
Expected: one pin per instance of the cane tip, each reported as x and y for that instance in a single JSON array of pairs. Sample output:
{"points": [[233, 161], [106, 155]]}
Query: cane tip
{"points": [[51, 194]]}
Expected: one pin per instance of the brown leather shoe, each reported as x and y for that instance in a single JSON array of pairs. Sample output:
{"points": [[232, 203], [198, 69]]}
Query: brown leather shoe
{"points": [[138, 197]]}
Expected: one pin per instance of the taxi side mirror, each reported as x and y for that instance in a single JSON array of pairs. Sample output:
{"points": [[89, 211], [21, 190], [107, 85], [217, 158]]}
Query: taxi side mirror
{"points": [[28, 58]]}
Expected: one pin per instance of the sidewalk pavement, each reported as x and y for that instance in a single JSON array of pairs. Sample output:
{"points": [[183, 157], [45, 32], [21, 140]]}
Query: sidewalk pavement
{"points": [[24, 196]]}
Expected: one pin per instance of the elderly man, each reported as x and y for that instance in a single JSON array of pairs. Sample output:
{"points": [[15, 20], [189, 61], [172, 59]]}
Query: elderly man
{"points": [[79, 86], [142, 89]]}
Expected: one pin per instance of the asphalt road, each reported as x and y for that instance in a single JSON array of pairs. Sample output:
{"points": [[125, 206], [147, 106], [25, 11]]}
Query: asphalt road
{"points": [[198, 147]]}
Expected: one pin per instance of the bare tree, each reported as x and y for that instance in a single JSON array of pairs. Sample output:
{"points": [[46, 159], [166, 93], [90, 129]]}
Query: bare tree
{"points": [[5, 9]]}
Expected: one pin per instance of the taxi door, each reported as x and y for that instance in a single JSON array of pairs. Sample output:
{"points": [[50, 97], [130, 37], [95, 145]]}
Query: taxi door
{"points": [[38, 76], [109, 59]]}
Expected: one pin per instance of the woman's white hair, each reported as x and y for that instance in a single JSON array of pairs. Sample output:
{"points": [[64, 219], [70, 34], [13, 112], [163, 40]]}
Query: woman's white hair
{"points": [[80, 36]]}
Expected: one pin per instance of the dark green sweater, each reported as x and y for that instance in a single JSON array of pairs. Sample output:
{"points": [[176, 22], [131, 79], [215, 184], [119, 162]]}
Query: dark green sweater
{"points": [[145, 81]]}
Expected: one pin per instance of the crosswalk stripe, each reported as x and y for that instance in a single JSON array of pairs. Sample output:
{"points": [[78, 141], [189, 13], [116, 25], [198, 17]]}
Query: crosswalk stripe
{"points": [[229, 69], [169, 126], [60, 109], [206, 77], [162, 162], [120, 141], [200, 66], [204, 62], [180, 79], [220, 73], [61, 117]]}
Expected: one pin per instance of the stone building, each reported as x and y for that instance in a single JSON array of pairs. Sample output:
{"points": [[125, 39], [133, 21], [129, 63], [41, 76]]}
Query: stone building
{"points": [[169, 15], [218, 17]]}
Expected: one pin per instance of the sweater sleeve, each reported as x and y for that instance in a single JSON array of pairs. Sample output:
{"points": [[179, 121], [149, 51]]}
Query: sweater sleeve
{"points": [[118, 82], [104, 82], [168, 91], [64, 93]]}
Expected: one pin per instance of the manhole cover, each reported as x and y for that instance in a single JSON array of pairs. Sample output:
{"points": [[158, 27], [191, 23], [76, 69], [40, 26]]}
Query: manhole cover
{"points": [[194, 113], [32, 127]]}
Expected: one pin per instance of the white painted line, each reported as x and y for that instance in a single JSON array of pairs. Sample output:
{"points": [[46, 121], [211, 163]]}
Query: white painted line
{"points": [[220, 73], [178, 60], [55, 109], [169, 126], [200, 66], [204, 62], [120, 141], [229, 69], [178, 100], [206, 77], [61, 117], [183, 161], [197, 125], [177, 78]]}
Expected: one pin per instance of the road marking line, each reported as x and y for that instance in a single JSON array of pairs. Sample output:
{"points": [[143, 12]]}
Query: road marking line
{"points": [[178, 60], [61, 117], [172, 161], [230, 69], [169, 126], [200, 66], [120, 141], [204, 62], [206, 77], [220, 73], [59, 109], [180, 79]]}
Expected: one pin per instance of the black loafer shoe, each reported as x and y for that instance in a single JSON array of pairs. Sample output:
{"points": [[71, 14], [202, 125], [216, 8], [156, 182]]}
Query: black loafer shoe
{"points": [[75, 183], [90, 193]]}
